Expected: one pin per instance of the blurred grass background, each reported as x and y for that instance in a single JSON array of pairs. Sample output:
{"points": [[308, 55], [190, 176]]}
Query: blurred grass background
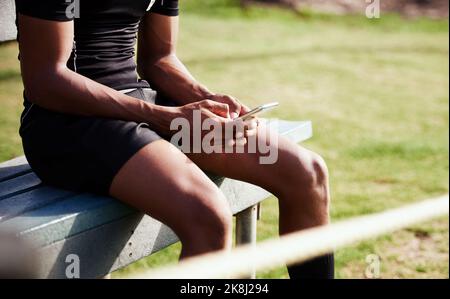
{"points": [[375, 89]]}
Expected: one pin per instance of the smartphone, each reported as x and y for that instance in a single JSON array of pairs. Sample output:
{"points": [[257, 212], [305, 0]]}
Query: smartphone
{"points": [[257, 110]]}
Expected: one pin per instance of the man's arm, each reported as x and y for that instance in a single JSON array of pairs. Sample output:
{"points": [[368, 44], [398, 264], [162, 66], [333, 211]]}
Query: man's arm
{"points": [[159, 64], [45, 47]]}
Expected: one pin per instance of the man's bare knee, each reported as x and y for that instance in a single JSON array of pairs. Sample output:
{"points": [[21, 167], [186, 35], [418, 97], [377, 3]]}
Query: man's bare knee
{"points": [[320, 169], [305, 175], [208, 221]]}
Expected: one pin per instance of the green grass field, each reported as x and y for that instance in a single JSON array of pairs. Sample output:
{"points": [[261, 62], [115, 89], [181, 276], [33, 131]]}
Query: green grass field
{"points": [[376, 91]]}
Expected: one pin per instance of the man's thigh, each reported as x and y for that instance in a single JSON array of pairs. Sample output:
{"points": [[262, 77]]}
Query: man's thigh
{"points": [[165, 184]]}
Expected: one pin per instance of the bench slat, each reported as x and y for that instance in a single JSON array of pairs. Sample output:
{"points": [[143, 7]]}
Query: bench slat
{"points": [[14, 168], [31, 200], [11, 172], [296, 131], [14, 162], [66, 218], [18, 184]]}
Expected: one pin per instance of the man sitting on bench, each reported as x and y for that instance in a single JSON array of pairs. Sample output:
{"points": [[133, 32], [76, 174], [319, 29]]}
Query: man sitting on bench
{"points": [[90, 124]]}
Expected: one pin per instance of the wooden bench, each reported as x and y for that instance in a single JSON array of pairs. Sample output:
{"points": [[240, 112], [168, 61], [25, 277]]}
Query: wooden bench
{"points": [[104, 233]]}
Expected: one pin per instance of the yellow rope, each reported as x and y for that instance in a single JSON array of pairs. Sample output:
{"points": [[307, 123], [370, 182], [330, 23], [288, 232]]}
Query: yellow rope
{"points": [[300, 246]]}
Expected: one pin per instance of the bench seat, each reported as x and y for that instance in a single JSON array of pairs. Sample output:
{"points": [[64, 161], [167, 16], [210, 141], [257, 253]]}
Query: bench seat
{"points": [[105, 233]]}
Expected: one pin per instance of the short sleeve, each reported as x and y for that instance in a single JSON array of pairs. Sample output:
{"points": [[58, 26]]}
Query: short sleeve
{"points": [[53, 10], [165, 7]]}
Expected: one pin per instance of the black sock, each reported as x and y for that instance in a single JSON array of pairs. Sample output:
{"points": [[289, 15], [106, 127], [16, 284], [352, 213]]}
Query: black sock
{"points": [[321, 267]]}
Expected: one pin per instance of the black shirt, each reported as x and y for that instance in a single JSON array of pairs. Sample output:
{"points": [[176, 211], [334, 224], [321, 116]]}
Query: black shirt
{"points": [[105, 34]]}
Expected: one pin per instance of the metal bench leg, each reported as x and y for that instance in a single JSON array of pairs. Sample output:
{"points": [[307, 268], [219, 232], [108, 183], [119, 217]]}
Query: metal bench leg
{"points": [[246, 229]]}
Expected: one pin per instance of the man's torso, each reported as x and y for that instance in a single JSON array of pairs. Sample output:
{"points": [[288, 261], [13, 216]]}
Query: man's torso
{"points": [[105, 34]]}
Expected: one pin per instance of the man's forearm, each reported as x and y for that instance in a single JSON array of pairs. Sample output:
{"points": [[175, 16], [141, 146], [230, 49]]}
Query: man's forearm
{"points": [[171, 78], [68, 92]]}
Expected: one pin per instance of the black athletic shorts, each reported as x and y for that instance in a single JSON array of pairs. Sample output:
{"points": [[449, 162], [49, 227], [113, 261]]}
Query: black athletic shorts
{"points": [[82, 153]]}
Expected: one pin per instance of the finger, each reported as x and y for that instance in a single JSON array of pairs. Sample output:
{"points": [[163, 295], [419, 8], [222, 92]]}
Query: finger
{"points": [[235, 107], [217, 108], [234, 115], [244, 109], [221, 110]]}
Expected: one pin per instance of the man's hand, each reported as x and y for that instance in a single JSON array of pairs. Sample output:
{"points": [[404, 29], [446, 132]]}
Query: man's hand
{"points": [[236, 108], [218, 115]]}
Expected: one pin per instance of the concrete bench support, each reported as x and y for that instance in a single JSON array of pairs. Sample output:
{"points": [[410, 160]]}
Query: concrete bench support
{"points": [[246, 229]]}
